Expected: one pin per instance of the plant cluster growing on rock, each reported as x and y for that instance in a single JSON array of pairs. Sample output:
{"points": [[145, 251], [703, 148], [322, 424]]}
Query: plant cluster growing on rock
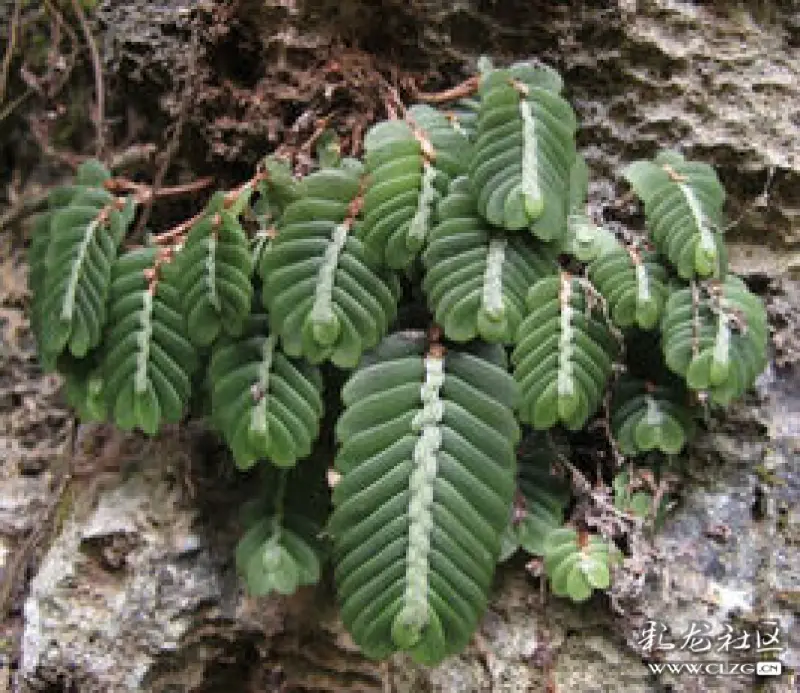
{"points": [[539, 321]]}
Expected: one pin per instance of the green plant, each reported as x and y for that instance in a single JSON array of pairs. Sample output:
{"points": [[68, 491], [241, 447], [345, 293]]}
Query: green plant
{"points": [[541, 317]]}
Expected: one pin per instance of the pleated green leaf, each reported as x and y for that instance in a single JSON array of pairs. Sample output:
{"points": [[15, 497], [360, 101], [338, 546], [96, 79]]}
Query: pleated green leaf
{"points": [[564, 354], [147, 358], [427, 465], [215, 284], [276, 191], [37, 273], [716, 340], [74, 247], [409, 164], [583, 238], [476, 280], [523, 153], [463, 116], [479, 208], [645, 417], [278, 554], [638, 503], [327, 298], [266, 405], [683, 208], [576, 564], [541, 498], [84, 388], [633, 284]]}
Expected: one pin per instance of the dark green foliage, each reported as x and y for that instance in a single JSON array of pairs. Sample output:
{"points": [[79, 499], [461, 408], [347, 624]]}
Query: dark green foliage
{"points": [[480, 210], [564, 354], [325, 296], [542, 497], [415, 553], [279, 555], [683, 203], [646, 417], [633, 499], [577, 563], [215, 286], [266, 405], [464, 117], [409, 164], [523, 153], [72, 254], [277, 190], [476, 280], [83, 387], [282, 548], [147, 359], [716, 337], [583, 239], [633, 284]]}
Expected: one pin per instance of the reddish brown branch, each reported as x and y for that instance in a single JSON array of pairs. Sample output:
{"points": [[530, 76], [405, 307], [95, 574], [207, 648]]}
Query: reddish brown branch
{"points": [[144, 193], [674, 176], [395, 108], [230, 197], [177, 231], [460, 91], [321, 126]]}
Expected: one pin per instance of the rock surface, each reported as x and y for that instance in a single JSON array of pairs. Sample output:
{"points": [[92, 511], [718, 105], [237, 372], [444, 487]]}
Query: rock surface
{"points": [[138, 593]]}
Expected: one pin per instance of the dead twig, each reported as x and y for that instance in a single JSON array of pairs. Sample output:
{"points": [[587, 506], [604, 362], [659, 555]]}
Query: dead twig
{"points": [[98, 77], [584, 486], [177, 231], [760, 202], [460, 91], [12, 106], [55, 86], [70, 159], [231, 196], [130, 156], [146, 193], [321, 125], [5, 68], [395, 108]]}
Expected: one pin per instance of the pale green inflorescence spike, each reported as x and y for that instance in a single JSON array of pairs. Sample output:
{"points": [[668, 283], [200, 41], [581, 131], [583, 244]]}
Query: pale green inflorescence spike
{"points": [[322, 316], [413, 617], [143, 337], [493, 278]]}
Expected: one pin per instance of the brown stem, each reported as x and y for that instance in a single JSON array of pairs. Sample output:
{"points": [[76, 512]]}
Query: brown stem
{"points": [[674, 176], [395, 108], [12, 106], [231, 195], [184, 226], [98, 77], [177, 231], [132, 155], [144, 193], [9, 54], [584, 486], [460, 91], [321, 125]]}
